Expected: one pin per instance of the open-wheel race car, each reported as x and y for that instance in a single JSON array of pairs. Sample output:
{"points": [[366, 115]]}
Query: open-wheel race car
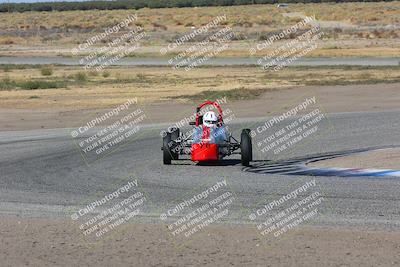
{"points": [[209, 141]]}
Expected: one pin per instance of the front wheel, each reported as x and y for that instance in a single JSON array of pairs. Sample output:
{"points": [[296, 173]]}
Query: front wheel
{"points": [[167, 153], [175, 136], [246, 147]]}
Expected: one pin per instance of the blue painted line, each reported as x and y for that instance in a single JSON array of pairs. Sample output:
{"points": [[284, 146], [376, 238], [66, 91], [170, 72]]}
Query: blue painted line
{"points": [[344, 172], [388, 173]]}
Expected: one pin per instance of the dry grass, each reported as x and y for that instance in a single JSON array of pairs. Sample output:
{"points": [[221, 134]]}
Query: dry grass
{"points": [[381, 13], [364, 21], [152, 84]]}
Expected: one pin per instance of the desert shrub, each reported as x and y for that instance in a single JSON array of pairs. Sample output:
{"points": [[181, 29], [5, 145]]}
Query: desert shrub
{"points": [[34, 85], [106, 74], [7, 68], [80, 76], [46, 70]]}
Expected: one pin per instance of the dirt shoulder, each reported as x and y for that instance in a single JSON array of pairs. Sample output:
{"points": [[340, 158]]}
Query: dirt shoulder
{"points": [[379, 159], [348, 98], [57, 242]]}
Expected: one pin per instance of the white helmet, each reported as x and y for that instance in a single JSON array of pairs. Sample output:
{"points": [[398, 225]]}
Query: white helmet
{"points": [[210, 119]]}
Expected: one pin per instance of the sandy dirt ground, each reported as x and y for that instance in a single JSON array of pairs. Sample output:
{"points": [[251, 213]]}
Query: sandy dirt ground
{"points": [[352, 47], [57, 242], [347, 98], [379, 159]]}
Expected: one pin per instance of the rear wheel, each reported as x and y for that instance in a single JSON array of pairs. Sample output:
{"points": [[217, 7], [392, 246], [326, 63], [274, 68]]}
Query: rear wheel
{"points": [[167, 155], [246, 147]]}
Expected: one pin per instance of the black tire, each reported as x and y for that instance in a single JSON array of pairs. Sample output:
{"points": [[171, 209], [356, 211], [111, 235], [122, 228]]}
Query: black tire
{"points": [[174, 133], [246, 147], [167, 155], [175, 136]]}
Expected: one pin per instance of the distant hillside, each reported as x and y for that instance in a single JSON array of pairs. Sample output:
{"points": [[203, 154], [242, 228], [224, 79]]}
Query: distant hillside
{"points": [[136, 4]]}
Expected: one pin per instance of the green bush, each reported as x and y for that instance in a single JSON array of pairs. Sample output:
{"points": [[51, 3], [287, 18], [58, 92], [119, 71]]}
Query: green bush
{"points": [[34, 85], [233, 94], [6, 68], [46, 70], [7, 84], [106, 74], [80, 76]]}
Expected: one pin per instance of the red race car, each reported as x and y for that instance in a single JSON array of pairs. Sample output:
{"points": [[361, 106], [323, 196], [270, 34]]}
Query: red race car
{"points": [[209, 141]]}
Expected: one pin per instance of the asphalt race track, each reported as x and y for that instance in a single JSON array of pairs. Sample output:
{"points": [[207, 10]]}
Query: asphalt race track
{"points": [[43, 174]]}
